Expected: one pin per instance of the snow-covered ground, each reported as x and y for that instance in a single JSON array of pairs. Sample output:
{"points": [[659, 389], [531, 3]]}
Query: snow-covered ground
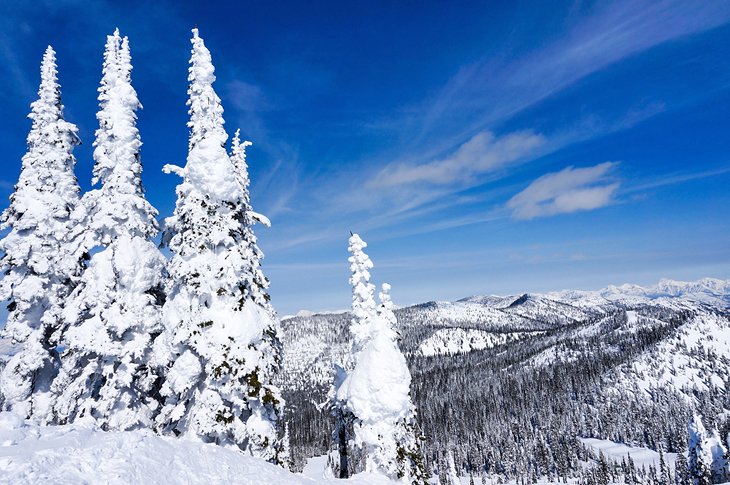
{"points": [[618, 451], [458, 340], [78, 454]]}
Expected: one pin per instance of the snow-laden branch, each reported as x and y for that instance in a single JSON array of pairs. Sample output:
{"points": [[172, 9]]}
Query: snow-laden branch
{"points": [[170, 168], [259, 218]]}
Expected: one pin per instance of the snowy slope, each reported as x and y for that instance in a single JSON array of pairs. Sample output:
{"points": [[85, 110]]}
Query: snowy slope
{"points": [[76, 454], [696, 355], [455, 340]]}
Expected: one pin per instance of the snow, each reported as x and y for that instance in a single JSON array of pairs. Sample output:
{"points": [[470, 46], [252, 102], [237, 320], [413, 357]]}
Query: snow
{"points": [[618, 451], [459, 340], [377, 389], [707, 290], [75, 454], [316, 469], [675, 362]]}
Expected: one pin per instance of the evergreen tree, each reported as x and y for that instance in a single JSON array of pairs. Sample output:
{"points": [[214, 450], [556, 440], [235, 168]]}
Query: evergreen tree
{"points": [[342, 462], [377, 389], [700, 456], [452, 476], [221, 331], [681, 470], [630, 476], [664, 473], [41, 260], [602, 471], [113, 314]]}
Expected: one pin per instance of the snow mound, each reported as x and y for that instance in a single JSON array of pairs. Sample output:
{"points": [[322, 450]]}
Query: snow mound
{"points": [[76, 454]]}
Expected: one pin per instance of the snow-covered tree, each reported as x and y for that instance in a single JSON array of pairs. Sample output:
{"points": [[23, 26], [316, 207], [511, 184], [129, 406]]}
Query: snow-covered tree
{"points": [[700, 456], [407, 433], [664, 473], [41, 261], [113, 315], [377, 389], [364, 310], [220, 337], [342, 461], [452, 477]]}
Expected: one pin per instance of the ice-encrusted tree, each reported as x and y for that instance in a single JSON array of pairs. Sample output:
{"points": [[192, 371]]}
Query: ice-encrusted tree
{"points": [[113, 315], [376, 390], [364, 310], [699, 459], [343, 461], [220, 337], [41, 260]]}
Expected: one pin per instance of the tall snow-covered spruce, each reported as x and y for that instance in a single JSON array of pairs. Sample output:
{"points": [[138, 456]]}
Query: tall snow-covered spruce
{"points": [[376, 390], [41, 261], [113, 315], [220, 337]]}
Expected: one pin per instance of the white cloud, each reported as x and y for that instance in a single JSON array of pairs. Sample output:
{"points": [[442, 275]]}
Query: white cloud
{"points": [[570, 190], [483, 153]]}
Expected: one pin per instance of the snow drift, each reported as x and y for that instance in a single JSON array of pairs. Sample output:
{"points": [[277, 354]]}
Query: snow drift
{"points": [[78, 454]]}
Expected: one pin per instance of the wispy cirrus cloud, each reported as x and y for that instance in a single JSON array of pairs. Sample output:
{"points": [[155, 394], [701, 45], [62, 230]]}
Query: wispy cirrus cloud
{"points": [[482, 153], [444, 156], [569, 190], [495, 87]]}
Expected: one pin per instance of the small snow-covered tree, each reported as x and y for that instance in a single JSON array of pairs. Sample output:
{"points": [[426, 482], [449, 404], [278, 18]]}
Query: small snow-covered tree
{"points": [[377, 389], [113, 315], [41, 260], [452, 476], [681, 470], [699, 460], [220, 337], [343, 461], [664, 472]]}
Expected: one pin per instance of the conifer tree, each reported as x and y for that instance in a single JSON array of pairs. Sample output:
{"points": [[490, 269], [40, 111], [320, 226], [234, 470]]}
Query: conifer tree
{"points": [[41, 259], [681, 470], [342, 463], [221, 333], [700, 456], [664, 473], [377, 389], [113, 315], [452, 476]]}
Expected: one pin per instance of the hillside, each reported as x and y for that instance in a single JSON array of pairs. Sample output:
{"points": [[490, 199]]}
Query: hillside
{"points": [[536, 372]]}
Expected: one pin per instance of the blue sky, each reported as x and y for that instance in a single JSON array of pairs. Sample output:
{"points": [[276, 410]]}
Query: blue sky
{"points": [[479, 147]]}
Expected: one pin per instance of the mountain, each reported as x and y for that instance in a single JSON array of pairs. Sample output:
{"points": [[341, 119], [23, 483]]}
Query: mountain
{"points": [[502, 380]]}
